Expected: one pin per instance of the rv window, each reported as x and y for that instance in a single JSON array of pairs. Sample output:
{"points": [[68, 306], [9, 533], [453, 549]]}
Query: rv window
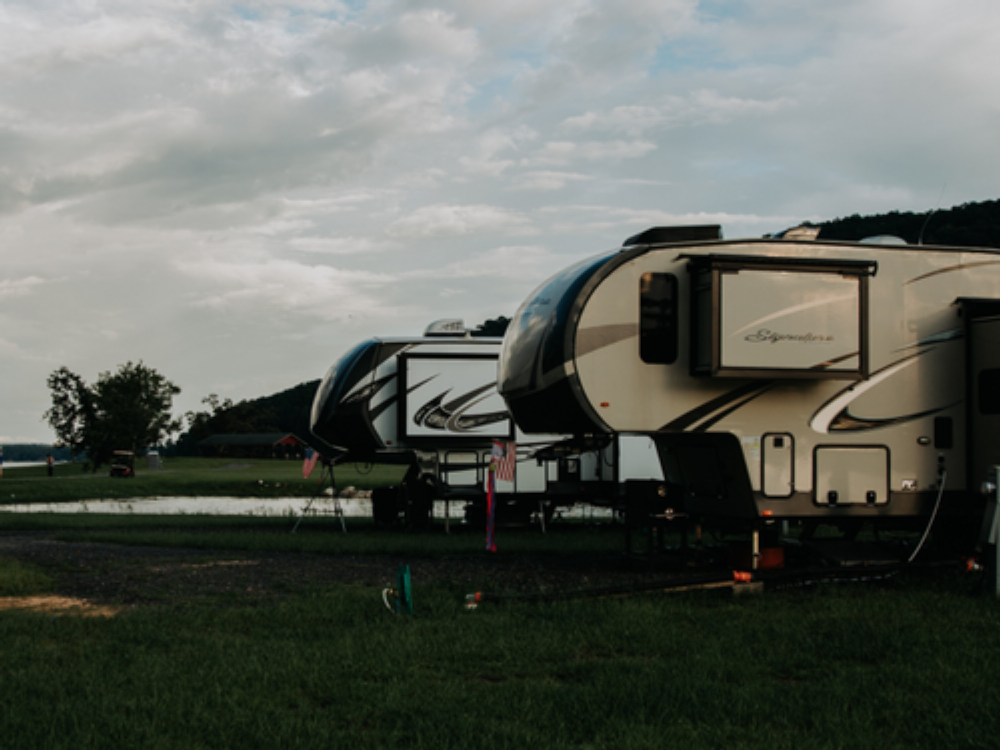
{"points": [[989, 392], [658, 318]]}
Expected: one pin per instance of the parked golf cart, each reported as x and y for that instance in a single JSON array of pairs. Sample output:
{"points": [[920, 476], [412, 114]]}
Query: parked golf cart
{"points": [[123, 464]]}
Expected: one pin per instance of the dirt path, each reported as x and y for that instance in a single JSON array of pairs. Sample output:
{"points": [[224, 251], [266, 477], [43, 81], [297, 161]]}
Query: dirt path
{"points": [[125, 576]]}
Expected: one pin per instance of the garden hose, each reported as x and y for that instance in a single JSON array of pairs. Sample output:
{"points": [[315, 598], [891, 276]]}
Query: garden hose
{"points": [[403, 593], [772, 579], [930, 523]]}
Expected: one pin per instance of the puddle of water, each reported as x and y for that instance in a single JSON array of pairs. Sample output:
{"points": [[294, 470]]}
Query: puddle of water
{"points": [[208, 506], [240, 506]]}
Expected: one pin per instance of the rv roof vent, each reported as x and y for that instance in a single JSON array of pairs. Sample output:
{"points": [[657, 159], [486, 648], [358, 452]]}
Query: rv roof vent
{"points": [[883, 239], [801, 232], [454, 327], [657, 235]]}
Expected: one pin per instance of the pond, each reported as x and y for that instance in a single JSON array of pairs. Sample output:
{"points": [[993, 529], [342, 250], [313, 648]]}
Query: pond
{"points": [[210, 506], [242, 506]]}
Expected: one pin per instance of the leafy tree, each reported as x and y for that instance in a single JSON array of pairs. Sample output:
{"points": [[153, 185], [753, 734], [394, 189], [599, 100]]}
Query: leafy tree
{"points": [[125, 410], [73, 410]]}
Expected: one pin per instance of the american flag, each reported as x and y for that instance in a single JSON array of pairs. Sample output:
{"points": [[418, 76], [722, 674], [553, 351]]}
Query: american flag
{"points": [[505, 460], [310, 463]]}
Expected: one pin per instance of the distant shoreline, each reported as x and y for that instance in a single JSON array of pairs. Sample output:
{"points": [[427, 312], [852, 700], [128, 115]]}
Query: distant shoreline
{"points": [[26, 464]]}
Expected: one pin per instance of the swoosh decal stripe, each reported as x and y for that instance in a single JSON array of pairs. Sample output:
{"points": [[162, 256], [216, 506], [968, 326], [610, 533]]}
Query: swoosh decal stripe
{"points": [[847, 422], [699, 413], [708, 423], [826, 414], [936, 338], [589, 340], [951, 269], [452, 416]]}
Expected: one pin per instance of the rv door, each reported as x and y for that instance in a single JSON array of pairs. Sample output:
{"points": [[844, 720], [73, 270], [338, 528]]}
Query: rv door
{"points": [[982, 334]]}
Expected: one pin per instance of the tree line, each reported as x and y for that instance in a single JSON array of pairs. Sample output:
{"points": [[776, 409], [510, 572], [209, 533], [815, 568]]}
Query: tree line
{"points": [[966, 225], [284, 412]]}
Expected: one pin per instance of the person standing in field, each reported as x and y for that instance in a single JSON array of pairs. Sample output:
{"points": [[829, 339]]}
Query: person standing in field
{"points": [[50, 462]]}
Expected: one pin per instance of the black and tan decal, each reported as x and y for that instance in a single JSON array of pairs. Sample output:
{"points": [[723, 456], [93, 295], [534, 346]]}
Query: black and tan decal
{"points": [[711, 412], [452, 416]]}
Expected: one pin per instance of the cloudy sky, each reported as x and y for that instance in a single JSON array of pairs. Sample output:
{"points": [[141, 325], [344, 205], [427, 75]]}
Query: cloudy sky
{"points": [[235, 193]]}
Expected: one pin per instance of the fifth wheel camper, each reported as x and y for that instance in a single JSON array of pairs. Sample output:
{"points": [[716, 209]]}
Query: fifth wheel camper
{"points": [[431, 403], [786, 377]]}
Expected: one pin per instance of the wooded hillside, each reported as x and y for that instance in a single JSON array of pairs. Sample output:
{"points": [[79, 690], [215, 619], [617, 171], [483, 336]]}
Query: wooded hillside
{"points": [[968, 225]]}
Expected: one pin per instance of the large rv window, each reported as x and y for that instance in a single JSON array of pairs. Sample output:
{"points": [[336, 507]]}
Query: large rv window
{"points": [[769, 316], [658, 318]]}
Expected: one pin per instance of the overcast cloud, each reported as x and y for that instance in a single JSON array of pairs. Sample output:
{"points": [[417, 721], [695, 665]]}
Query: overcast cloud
{"points": [[235, 193]]}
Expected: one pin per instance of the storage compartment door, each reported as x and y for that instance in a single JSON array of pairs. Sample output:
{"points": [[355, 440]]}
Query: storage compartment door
{"points": [[852, 475], [778, 465]]}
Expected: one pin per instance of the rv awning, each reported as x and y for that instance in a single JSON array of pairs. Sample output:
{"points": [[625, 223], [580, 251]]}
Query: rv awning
{"points": [[819, 265]]}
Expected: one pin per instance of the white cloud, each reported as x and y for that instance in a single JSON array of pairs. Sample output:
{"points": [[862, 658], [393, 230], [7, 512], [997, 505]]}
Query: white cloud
{"points": [[30, 48], [285, 287], [19, 287], [338, 245], [548, 180], [559, 153], [629, 221], [702, 106], [504, 262], [452, 220]]}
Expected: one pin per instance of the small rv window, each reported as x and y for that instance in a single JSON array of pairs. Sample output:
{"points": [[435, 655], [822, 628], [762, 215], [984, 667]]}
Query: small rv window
{"points": [[658, 318], [989, 391]]}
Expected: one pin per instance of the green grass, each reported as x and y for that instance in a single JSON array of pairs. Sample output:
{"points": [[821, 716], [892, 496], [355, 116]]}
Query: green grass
{"points": [[907, 665], [17, 579], [314, 534], [184, 477]]}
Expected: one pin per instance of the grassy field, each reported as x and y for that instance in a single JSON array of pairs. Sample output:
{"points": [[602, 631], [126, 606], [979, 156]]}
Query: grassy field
{"points": [[906, 665], [320, 536], [906, 662], [184, 477]]}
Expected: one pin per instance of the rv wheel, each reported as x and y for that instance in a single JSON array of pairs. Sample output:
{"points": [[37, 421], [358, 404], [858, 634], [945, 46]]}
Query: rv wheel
{"points": [[385, 511], [420, 501]]}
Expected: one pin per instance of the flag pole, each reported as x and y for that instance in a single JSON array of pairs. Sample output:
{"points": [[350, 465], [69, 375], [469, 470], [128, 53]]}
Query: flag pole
{"points": [[491, 509], [327, 465]]}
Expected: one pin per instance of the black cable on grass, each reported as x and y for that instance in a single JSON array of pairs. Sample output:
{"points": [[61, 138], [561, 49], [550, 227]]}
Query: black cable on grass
{"points": [[771, 579], [719, 579]]}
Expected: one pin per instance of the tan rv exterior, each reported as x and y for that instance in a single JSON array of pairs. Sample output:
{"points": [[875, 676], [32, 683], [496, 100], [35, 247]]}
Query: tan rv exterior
{"points": [[780, 378]]}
